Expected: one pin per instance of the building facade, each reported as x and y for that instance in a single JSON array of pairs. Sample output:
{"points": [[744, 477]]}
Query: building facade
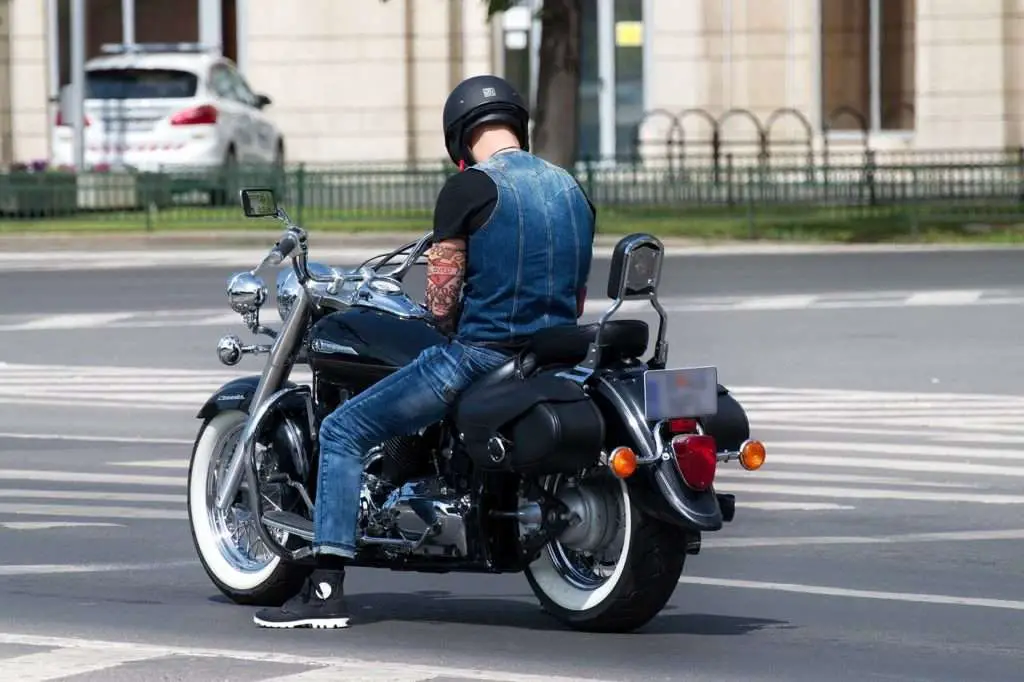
{"points": [[365, 80]]}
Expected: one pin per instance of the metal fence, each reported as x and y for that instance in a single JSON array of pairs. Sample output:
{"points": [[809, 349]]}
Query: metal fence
{"points": [[982, 186]]}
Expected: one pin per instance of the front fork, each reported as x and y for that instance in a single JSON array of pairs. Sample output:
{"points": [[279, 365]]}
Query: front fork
{"points": [[275, 372]]}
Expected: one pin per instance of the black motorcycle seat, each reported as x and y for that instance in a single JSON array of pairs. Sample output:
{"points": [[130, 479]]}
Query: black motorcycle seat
{"points": [[568, 344]]}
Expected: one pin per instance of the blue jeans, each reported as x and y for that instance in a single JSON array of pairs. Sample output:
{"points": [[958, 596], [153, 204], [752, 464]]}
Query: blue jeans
{"points": [[408, 400]]}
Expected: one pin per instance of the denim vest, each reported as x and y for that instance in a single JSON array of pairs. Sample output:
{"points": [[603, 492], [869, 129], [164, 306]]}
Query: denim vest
{"points": [[526, 264]]}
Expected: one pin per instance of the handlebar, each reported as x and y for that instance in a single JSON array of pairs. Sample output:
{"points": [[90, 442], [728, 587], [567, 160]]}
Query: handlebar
{"points": [[292, 243]]}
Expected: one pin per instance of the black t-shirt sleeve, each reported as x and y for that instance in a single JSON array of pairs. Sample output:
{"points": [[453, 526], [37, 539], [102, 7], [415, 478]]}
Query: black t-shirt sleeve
{"points": [[464, 204]]}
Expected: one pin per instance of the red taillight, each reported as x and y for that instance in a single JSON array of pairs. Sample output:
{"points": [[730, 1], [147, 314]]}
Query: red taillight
{"points": [[60, 121], [202, 115], [676, 426], [697, 457]]}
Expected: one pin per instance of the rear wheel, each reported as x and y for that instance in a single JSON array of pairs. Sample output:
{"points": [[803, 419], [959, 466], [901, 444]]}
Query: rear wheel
{"points": [[615, 570]]}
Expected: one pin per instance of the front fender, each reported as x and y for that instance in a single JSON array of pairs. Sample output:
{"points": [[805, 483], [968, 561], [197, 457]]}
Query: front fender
{"points": [[234, 395], [657, 488]]}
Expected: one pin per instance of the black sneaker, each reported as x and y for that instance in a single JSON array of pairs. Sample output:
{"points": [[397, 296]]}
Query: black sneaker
{"points": [[319, 604]]}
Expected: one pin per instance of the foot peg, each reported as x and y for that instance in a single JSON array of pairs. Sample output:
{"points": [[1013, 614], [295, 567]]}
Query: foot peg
{"points": [[290, 523]]}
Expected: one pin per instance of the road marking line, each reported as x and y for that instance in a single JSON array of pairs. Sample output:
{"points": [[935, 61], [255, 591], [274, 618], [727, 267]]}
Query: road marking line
{"points": [[781, 302], [794, 506], [97, 439], [92, 495], [761, 474], [918, 449], [47, 525], [866, 494], [72, 321], [125, 394], [919, 465], [345, 667], [155, 463], [64, 371], [949, 297], [918, 433], [733, 303], [824, 591], [796, 541], [47, 569], [365, 673], [861, 395], [103, 404], [52, 665], [965, 423], [94, 512], [83, 477], [824, 411]]}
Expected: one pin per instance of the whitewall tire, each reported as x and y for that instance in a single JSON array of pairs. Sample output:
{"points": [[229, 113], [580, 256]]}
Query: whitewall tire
{"points": [[641, 582], [243, 576]]}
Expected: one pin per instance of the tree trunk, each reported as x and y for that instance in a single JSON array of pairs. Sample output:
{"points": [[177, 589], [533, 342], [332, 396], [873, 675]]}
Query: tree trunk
{"points": [[558, 83]]}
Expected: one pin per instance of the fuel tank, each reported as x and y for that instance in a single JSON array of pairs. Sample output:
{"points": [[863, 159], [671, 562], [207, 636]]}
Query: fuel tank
{"points": [[360, 346]]}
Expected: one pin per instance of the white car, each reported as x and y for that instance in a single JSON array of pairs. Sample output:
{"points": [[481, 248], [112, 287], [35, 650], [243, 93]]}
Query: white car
{"points": [[172, 109]]}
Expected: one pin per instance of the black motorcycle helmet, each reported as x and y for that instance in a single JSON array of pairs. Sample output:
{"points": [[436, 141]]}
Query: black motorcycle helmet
{"points": [[479, 100]]}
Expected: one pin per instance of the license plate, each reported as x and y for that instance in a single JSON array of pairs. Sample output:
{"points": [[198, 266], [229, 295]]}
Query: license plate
{"points": [[685, 392]]}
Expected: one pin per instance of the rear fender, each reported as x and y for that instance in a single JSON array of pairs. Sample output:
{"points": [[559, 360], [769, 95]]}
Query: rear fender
{"points": [[234, 395], [657, 488]]}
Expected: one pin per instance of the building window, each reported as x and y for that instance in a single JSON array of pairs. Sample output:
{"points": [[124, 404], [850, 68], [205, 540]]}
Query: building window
{"points": [[867, 65]]}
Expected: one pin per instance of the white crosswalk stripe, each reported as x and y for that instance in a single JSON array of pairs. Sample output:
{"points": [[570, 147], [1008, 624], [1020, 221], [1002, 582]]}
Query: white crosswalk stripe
{"points": [[64, 657], [829, 450], [221, 316]]}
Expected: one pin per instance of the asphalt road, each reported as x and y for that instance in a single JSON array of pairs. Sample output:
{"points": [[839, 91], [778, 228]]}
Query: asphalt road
{"points": [[882, 541]]}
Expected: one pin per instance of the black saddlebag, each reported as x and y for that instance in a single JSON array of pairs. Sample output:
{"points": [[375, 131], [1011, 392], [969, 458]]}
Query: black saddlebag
{"points": [[534, 426]]}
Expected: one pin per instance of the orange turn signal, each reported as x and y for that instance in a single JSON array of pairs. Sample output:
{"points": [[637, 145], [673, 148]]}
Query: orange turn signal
{"points": [[752, 455], [622, 462]]}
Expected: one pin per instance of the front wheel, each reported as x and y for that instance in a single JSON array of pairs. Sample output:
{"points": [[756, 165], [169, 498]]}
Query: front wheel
{"points": [[616, 571], [229, 547]]}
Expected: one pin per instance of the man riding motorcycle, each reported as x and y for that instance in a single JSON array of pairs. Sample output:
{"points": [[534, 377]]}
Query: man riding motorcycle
{"points": [[513, 234]]}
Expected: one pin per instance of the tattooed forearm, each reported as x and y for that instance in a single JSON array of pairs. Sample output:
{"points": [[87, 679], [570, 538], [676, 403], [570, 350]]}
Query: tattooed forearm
{"points": [[446, 269]]}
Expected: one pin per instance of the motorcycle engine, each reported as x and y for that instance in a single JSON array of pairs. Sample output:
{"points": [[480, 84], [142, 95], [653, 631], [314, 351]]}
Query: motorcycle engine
{"points": [[422, 504]]}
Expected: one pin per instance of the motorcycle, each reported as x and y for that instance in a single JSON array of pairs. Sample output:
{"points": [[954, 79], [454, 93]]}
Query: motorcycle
{"points": [[575, 463]]}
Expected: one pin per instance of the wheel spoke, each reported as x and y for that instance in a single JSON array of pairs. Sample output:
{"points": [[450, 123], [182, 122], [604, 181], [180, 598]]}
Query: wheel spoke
{"points": [[587, 570], [238, 537]]}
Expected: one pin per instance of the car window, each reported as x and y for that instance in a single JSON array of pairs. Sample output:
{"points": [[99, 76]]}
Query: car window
{"points": [[221, 83], [242, 91], [244, 88], [139, 84]]}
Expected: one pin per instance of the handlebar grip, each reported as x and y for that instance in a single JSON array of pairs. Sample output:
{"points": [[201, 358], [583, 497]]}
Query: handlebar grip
{"points": [[286, 244]]}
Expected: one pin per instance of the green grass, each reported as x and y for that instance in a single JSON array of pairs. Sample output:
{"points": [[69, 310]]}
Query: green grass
{"points": [[978, 222]]}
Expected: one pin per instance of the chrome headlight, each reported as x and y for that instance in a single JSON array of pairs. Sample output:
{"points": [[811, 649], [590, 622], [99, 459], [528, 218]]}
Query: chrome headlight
{"points": [[287, 291], [246, 293], [288, 286]]}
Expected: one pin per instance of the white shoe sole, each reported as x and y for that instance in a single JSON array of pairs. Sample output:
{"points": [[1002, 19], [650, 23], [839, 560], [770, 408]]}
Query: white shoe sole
{"points": [[315, 623]]}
